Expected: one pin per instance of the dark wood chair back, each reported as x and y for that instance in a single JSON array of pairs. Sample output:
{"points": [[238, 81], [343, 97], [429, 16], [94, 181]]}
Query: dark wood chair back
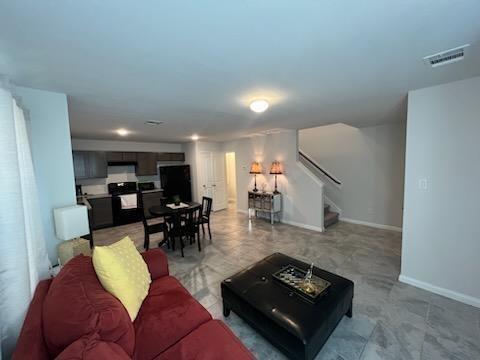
{"points": [[205, 214], [149, 229], [192, 217], [206, 207]]}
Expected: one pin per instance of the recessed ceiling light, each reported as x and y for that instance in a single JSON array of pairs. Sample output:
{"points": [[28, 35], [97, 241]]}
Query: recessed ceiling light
{"points": [[259, 106], [122, 132], [194, 137]]}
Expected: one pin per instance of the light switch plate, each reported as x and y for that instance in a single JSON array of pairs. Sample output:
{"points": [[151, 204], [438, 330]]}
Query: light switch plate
{"points": [[423, 184]]}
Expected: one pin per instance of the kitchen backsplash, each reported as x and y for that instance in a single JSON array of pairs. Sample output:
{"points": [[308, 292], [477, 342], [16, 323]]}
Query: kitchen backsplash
{"points": [[115, 174]]}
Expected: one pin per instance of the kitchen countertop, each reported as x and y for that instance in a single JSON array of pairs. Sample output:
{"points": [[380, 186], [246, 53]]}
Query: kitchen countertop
{"points": [[82, 200], [97, 196], [151, 191]]}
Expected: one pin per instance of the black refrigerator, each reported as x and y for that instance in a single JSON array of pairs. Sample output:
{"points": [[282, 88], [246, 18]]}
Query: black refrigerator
{"points": [[175, 180]]}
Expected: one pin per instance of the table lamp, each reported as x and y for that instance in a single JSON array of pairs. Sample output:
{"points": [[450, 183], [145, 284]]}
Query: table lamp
{"points": [[71, 223], [255, 169], [276, 169]]}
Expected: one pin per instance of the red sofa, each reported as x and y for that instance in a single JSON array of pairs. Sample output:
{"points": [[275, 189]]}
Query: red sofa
{"points": [[73, 317]]}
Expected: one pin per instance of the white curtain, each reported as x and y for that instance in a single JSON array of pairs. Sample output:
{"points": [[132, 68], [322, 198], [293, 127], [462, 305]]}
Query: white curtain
{"points": [[23, 256]]}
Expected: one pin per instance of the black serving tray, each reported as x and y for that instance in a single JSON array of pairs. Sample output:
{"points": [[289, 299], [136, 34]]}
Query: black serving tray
{"points": [[292, 276]]}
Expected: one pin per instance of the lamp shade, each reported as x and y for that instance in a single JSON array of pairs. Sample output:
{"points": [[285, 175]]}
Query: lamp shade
{"points": [[276, 168], [71, 222], [255, 168]]}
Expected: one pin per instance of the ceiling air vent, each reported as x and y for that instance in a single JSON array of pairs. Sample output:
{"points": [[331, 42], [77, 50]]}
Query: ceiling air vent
{"points": [[153, 122], [446, 57]]}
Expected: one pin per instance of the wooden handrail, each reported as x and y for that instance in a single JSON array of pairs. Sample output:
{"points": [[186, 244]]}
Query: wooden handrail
{"points": [[314, 164]]}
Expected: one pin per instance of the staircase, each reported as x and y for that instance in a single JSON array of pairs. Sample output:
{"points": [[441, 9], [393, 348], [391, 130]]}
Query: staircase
{"points": [[329, 217], [331, 183]]}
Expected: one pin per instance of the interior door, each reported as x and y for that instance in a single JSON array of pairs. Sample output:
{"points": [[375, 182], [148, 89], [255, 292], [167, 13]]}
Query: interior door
{"points": [[212, 178], [219, 182], [205, 174]]}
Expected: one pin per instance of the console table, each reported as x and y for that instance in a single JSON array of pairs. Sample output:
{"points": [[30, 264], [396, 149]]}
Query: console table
{"points": [[265, 203]]}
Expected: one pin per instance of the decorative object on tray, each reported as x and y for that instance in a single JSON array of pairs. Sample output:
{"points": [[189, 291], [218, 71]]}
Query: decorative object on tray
{"points": [[304, 283], [176, 200], [179, 206]]}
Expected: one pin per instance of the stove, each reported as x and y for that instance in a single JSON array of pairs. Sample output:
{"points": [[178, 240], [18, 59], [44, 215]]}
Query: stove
{"points": [[123, 216], [128, 187]]}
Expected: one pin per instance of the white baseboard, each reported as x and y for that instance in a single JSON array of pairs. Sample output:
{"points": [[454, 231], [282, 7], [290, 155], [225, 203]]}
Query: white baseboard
{"points": [[467, 299], [378, 226], [304, 226], [293, 223]]}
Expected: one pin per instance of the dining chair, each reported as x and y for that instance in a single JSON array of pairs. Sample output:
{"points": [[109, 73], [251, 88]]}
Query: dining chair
{"points": [[205, 214], [192, 225], [152, 226], [185, 226]]}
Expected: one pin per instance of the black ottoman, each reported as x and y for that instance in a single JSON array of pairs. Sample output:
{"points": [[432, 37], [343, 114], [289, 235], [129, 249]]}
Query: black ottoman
{"points": [[297, 327]]}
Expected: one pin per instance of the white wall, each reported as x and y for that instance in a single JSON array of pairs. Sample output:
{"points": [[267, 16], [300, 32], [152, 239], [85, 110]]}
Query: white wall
{"points": [[369, 162], [52, 156], [231, 178], [302, 193], [441, 235], [121, 173]]}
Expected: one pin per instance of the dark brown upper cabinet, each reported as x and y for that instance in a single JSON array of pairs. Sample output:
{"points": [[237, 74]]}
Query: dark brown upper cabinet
{"points": [[89, 164], [130, 156], [121, 157], [165, 156], [146, 163]]}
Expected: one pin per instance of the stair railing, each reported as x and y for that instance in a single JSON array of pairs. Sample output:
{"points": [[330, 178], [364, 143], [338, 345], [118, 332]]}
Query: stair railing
{"points": [[316, 166]]}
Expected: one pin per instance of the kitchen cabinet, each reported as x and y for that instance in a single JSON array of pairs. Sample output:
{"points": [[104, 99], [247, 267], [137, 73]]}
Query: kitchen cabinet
{"points": [[114, 156], [89, 164], [80, 164], [130, 157], [146, 163], [149, 199], [168, 156], [121, 157], [102, 215]]}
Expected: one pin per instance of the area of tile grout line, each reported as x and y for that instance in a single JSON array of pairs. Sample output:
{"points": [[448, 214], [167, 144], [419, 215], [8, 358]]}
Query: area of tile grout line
{"points": [[391, 320]]}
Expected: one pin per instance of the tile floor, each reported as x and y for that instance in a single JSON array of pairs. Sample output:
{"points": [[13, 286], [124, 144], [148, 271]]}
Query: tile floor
{"points": [[390, 320]]}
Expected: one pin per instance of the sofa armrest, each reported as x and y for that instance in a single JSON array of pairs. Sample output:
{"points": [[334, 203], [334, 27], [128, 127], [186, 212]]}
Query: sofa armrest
{"points": [[30, 344], [157, 263]]}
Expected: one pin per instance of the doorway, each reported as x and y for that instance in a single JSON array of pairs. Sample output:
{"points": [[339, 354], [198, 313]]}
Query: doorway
{"points": [[212, 178], [231, 179]]}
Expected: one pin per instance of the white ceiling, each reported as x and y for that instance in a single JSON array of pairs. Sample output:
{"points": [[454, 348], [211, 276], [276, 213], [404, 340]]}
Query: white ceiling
{"points": [[196, 64]]}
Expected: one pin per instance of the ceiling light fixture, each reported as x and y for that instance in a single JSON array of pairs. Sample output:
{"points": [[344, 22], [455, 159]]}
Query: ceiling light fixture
{"points": [[194, 137], [122, 132], [259, 106]]}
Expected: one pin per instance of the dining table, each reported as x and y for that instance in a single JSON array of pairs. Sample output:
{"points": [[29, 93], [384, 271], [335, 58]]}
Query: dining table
{"points": [[173, 213], [166, 211]]}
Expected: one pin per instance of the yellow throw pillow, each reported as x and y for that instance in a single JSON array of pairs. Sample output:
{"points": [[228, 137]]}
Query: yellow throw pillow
{"points": [[123, 273]]}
